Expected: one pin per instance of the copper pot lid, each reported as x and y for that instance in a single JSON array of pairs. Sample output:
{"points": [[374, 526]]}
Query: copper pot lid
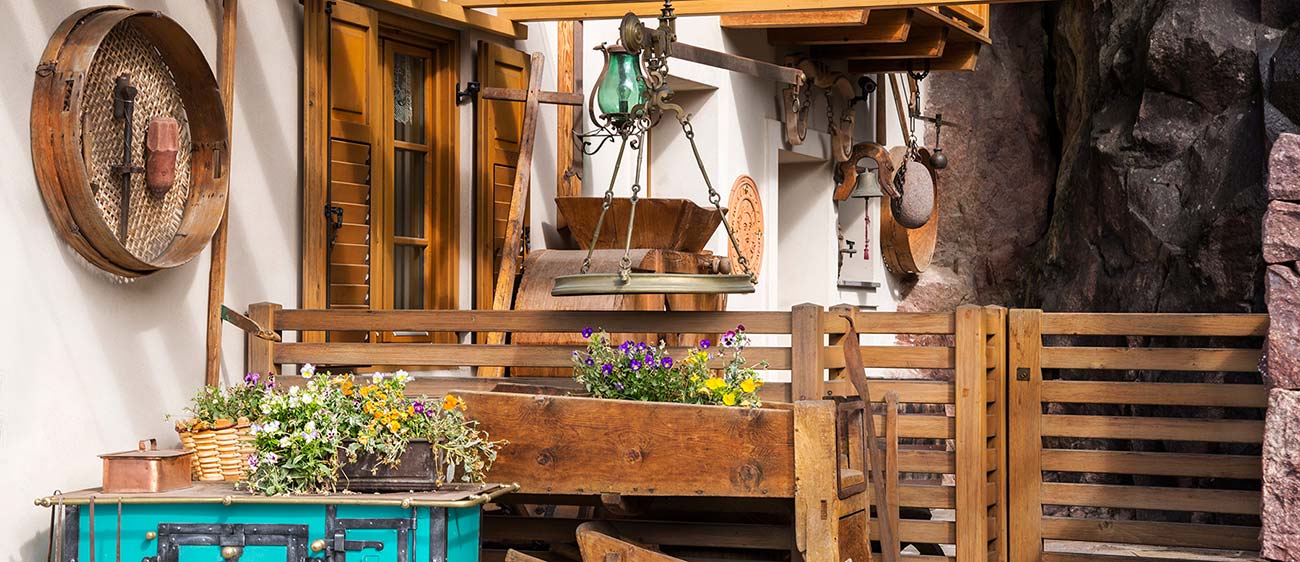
{"points": [[147, 449]]}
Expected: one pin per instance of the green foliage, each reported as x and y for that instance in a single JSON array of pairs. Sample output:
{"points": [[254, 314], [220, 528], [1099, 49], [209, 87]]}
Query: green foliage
{"points": [[232, 403], [636, 371]]}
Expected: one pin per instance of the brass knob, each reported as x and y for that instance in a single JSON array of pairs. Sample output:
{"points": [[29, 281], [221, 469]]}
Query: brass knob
{"points": [[150, 535], [229, 552], [317, 545]]}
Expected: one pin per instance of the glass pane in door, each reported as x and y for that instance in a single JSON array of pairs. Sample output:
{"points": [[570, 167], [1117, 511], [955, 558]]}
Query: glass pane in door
{"points": [[408, 98], [408, 193], [408, 277]]}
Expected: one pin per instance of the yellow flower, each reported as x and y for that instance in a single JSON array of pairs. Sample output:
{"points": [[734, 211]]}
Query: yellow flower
{"points": [[362, 439], [410, 409], [347, 387], [714, 383], [450, 402], [748, 385], [729, 399], [393, 426]]}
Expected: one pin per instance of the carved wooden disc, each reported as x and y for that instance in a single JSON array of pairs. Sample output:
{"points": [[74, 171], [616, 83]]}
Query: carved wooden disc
{"points": [[745, 215]]}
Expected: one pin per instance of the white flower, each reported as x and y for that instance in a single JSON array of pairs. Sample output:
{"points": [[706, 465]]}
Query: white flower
{"points": [[375, 378], [284, 441], [310, 427], [307, 371], [401, 375], [307, 398], [272, 427]]}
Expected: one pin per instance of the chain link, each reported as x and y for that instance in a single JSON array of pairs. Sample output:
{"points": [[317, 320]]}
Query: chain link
{"points": [[625, 264]]}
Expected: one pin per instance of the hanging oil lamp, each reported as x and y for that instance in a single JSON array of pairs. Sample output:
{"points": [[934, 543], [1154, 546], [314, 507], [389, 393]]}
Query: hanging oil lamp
{"points": [[630, 97]]}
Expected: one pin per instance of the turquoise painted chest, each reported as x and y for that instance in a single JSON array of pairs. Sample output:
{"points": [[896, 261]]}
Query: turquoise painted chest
{"points": [[214, 523]]}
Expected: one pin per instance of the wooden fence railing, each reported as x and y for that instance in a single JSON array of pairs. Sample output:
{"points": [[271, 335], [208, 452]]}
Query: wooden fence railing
{"points": [[1124, 432], [1085, 435]]}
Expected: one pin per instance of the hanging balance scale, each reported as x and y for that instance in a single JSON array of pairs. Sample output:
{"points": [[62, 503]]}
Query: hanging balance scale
{"points": [[129, 140], [630, 98]]}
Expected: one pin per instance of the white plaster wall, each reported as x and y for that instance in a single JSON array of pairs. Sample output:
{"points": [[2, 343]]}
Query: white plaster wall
{"points": [[90, 365]]}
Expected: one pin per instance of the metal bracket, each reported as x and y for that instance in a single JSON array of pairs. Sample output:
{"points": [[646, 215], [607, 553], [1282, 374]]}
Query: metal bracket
{"points": [[1022, 373], [470, 92], [334, 217]]}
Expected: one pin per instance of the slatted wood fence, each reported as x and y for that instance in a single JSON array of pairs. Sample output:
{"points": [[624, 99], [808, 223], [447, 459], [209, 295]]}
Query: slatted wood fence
{"points": [[1142, 429], [981, 425]]}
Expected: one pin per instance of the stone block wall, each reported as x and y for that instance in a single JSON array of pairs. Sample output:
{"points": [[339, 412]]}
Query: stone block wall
{"points": [[1281, 365]]}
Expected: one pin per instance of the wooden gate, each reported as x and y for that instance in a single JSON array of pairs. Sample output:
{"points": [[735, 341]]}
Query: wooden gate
{"points": [[1133, 433]]}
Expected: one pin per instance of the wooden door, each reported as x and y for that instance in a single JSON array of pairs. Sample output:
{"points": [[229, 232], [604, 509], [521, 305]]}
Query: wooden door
{"points": [[499, 124]]}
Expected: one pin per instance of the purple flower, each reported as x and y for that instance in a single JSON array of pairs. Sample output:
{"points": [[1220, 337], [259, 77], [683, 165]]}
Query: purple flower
{"points": [[704, 344], [667, 362], [418, 406], [251, 378], [636, 365], [740, 327], [590, 361], [618, 385], [586, 332], [271, 458], [607, 369], [252, 461], [625, 346]]}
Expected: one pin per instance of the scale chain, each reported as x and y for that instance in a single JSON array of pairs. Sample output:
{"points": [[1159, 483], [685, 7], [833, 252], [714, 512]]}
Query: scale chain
{"points": [[604, 207], [716, 199], [625, 265]]}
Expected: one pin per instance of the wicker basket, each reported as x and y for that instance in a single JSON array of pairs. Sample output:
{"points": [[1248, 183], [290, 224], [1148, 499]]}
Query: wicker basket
{"points": [[220, 450]]}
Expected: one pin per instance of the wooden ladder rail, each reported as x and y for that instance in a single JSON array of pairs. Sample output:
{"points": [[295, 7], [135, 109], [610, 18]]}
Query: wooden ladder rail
{"points": [[885, 514]]}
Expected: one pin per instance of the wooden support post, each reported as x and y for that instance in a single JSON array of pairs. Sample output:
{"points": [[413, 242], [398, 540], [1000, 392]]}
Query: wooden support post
{"points": [[807, 370], [315, 160], [995, 325], [217, 266], [1025, 438], [568, 161], [972, 509], [891, 473], [504, 293], [816, 496], [882, 97], [260, 352]]}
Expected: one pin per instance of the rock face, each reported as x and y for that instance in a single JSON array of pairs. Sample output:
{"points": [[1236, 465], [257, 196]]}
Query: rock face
{"points": [[1281, 533], [994, 194], [1160, 190]]}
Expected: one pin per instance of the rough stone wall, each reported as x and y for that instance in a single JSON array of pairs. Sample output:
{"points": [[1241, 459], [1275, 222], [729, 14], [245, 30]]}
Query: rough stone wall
{"points": [[1281, 232]]}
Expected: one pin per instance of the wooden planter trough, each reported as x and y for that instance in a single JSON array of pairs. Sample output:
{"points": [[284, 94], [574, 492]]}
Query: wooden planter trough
{"points": [[698, 477]]}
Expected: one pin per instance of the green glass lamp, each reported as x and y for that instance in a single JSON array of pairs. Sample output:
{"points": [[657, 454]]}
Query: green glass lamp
{"points": [[621, 87]]}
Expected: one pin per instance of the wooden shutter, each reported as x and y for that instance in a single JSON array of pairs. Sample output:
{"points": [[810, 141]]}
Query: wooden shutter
{"points": [[497, 151], [341, 124]]}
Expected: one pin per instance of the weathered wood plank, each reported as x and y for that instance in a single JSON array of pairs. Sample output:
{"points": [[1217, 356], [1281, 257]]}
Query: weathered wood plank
{"points": [[1151, 358], [565, 445], [1150, 532], [1148, 497], [472, 355], [535, 321], [808, 364], [1168, 394], [1024, 438], [821, 18], [815, 467], [892, 323], [896, 357], [1159, 464], [971, 434], [1163, 429], [1163, 324]]}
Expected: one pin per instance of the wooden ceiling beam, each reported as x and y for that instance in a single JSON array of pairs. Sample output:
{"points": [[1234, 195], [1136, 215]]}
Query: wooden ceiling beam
{"points": [[450, 14], [822, 18], [550, 10], [883, 26], [956, 56], [922, 43], [962, 30]]}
